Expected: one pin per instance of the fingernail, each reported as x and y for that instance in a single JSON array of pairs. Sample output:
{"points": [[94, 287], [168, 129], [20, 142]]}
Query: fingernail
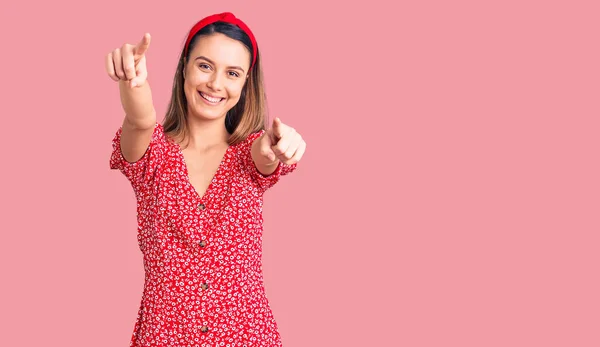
{"points": [[133, 84]]}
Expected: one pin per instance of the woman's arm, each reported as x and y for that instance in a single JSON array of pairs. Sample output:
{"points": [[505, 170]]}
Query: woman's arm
{"points": [[127, 65]]}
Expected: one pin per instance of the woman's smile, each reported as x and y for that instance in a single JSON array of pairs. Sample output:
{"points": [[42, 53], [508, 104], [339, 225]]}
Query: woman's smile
{"points": [[211, 100]]}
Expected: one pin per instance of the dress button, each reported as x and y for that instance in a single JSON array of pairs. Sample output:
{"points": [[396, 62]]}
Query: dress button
{"points": [[204, 328], [202, 243], [201, 207], [204, 286]]}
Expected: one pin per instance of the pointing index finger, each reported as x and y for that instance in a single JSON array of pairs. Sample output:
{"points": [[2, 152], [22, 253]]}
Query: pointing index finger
{"points": [[277, 128], [143, 45]]}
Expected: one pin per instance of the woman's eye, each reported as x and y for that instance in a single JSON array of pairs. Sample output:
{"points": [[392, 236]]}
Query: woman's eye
{"points": [[203, 66], [234, 73]]}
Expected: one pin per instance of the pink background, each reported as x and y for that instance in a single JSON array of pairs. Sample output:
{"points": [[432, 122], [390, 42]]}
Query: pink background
{"points": [[449, 195]]}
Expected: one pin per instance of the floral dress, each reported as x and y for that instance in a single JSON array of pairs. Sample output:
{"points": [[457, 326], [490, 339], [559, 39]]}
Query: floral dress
{"points": [[202, 254]]}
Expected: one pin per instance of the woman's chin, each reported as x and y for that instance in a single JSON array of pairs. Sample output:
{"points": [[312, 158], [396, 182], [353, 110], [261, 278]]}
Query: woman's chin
{"points": [[203, 113]]}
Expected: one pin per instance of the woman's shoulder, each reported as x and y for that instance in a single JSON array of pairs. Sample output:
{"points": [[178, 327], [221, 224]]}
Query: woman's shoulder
{"points": [[242, 149], [161, 139], [168, 139], [158, 138], [247, 140]]}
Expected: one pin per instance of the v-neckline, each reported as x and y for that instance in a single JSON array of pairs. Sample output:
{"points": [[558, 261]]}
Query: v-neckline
{"points": [[186, 173]]}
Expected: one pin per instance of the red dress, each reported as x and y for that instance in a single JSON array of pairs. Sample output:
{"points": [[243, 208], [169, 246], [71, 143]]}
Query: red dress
{"points": [[202, 254]]}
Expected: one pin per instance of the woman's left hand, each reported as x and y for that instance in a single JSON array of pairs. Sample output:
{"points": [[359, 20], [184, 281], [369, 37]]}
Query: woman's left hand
{"points": [[282, 142]]}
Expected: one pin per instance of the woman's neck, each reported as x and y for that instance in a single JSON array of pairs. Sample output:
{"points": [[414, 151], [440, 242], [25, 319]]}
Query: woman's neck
{"points": [[206, 134]]}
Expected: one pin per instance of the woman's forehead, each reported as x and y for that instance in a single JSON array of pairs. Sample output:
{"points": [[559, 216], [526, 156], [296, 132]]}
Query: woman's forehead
{"points": [[221, 50]]}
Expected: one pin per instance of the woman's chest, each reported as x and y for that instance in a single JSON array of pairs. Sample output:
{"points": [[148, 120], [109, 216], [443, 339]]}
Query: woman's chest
{"points": [[203, 170], [229, 210]]}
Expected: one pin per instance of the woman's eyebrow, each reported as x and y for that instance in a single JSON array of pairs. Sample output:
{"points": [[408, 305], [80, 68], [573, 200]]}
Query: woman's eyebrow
{"points": [[210, 61]]}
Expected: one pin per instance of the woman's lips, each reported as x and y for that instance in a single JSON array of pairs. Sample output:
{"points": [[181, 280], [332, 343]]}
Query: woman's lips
{"points": [[210, 99]]}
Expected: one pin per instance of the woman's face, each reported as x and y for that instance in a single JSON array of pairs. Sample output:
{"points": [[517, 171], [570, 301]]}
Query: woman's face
{"points": [[215, 75]]}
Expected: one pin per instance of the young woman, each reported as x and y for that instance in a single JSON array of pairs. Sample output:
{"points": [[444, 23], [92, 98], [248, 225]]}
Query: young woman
{"points": [[199, 179]]}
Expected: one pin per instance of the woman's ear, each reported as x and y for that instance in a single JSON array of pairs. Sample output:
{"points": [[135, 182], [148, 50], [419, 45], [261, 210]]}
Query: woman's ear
{"points": [[184, 65]]}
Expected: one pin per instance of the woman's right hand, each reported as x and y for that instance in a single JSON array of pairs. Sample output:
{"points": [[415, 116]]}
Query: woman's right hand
{"points": [[128, 63]]}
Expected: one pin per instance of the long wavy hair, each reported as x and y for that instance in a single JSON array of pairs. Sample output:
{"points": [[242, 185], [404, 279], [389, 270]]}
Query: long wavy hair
{"points": [[247, 116]]}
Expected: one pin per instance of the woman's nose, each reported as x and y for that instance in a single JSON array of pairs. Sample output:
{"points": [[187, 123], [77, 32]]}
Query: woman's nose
{"points": [[215, 82]]}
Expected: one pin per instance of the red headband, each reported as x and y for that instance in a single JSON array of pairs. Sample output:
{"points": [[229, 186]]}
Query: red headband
{"points": [[227, 17]]}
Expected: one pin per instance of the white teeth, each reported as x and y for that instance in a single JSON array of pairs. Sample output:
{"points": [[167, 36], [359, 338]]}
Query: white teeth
{"points": [[209, 98]]}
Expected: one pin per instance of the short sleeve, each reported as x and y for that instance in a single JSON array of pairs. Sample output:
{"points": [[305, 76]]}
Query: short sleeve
{"points": [[140, 171], [263, 182]]}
